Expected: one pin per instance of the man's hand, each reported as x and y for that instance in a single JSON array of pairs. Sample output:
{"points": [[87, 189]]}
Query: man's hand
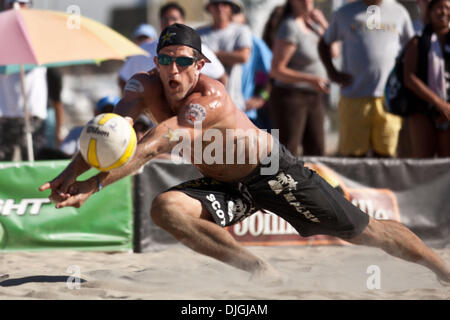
{"points": [[317, 17], [79, 192], [444, 108], [59, 186], [130, 120], [320, 85]]}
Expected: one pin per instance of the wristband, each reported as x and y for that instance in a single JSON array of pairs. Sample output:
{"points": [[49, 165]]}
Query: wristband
{"points": [[99, 184], [265, 95]]}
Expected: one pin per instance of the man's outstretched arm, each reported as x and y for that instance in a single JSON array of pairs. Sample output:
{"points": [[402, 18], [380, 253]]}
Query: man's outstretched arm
{"points": [[158, 140], [167, 134], [161, 139], [130, 105]]}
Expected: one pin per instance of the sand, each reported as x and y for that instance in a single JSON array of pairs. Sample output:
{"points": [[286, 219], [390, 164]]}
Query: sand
{"points": [[315, 272]]}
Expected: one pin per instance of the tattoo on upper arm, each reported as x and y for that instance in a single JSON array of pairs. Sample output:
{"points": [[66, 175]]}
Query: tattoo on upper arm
{"points": [[195, 113]]}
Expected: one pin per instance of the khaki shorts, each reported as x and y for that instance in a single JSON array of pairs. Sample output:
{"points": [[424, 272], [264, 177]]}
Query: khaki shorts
{"points": [[364, 124]]}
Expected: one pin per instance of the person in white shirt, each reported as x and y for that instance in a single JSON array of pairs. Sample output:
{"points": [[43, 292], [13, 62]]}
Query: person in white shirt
{"points": [[144, 36], [369, 50], [231, 42], [12, 116]]}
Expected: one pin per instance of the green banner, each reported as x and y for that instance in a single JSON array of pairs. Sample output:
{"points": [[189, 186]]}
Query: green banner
{"points": [[29, 221]]}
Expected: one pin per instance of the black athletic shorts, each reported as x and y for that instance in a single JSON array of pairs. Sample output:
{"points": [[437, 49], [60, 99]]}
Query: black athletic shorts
{"points": [[295, 193]]}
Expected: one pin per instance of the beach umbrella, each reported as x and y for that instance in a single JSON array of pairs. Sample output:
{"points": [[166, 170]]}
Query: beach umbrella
{"points": [[31, 37]]}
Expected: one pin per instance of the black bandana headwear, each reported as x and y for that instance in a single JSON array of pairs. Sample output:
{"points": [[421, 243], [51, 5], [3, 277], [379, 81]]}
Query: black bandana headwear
{"points": [[180, 34]]}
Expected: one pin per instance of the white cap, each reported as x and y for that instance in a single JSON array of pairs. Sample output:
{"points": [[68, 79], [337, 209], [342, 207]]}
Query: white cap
{"points": [[145, 30]]}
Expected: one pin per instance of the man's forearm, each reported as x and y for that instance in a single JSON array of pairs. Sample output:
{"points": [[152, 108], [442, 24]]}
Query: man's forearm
{"points": [[78, 166], [289, 75], [107, 178], [233, 57], [325, 56], [151, 145], [421, 90]]}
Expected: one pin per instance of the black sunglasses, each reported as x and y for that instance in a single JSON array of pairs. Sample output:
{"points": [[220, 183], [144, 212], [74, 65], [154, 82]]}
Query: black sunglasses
{"points": [[166, 60]]}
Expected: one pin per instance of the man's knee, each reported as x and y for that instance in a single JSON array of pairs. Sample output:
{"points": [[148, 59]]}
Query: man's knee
{"points": [[163, 208], [172, 208]]}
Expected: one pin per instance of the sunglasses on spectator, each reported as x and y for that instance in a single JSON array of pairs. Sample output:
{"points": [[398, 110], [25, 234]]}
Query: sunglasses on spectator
{"points": [[166, 60]]}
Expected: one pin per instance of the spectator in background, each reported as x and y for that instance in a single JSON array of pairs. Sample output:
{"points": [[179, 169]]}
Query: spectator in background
{"points": [[271, 26], [231, 42], [296, 102], [144, 33], [169, 14], [53, 133], [8, 4], [255, 79], [404, 148], [12, 116], [418, 24], [55, 114], [427, 74], [46, 126], [71, 144], [371, 42], [143, 36]]}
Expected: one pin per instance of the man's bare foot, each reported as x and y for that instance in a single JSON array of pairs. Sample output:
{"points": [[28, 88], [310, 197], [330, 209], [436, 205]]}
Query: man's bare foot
{"points": [[267, 275], [443, 276], [444, 280]]}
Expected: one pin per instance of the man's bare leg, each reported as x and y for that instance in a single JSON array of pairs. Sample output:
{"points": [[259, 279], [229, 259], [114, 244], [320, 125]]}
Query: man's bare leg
{"points": [[397, 240], [191, 224]]}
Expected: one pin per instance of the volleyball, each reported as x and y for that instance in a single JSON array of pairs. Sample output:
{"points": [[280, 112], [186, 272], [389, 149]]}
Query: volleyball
{"points": [[107, 142]]}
